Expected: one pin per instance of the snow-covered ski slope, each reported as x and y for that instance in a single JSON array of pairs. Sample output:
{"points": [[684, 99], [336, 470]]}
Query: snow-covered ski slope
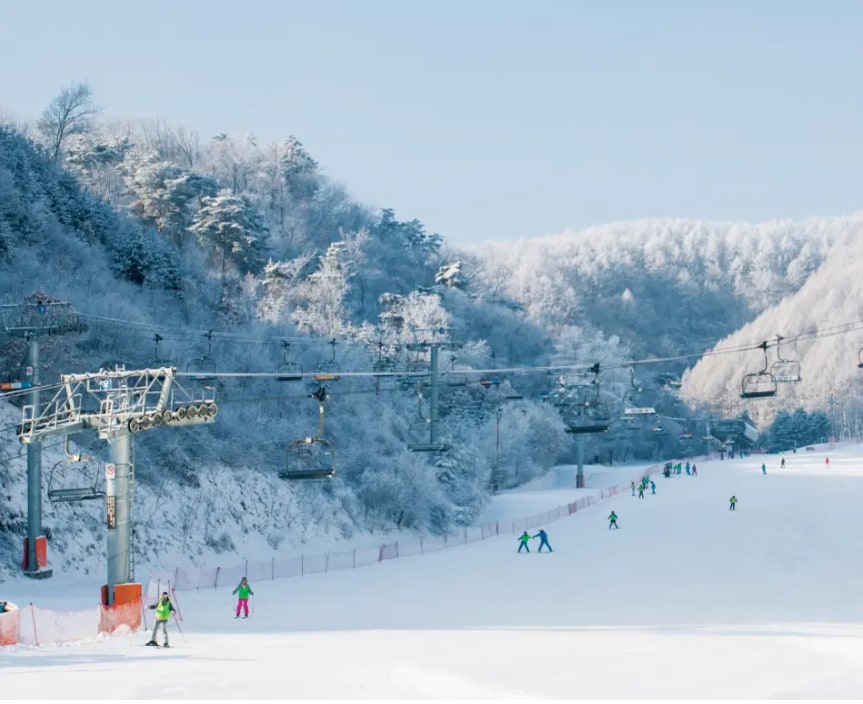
{"points": [[686, 600]]}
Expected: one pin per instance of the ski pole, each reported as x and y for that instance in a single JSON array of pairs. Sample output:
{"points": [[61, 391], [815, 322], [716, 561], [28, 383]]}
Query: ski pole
{"points": [[178, 626]]}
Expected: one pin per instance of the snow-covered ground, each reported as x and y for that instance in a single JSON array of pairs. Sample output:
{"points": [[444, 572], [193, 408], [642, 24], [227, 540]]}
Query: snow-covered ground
{"points": [[686, 600]]}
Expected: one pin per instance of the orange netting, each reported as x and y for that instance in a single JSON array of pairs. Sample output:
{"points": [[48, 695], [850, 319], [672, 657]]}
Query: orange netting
{"points": [[10, 626]]}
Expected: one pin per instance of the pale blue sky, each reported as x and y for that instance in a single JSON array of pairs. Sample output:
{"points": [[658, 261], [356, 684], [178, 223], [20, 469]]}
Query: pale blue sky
{"points": [[490, 119]]}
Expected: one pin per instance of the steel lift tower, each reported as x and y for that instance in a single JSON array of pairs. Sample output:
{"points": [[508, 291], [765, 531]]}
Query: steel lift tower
{"points": [[117, 405]]}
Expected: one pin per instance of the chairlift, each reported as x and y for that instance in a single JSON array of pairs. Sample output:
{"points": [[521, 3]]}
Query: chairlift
{"points": [[160, 362], [203, 369], [312, 457], [630, 406], [784, 370], [288, 370], [68, 494], [330, 366], [581, 409], [658, 429], [423, 428], [760, 384]]}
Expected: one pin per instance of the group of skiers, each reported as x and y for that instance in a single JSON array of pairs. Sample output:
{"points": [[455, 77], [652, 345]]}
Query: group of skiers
{"points": [[525, 537], [164, 608]]}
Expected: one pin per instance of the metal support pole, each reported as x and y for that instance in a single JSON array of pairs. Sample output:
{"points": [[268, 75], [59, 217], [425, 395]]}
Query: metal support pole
{"points": [[434, 381], [118, 510], [34, 468], [579, 456]]}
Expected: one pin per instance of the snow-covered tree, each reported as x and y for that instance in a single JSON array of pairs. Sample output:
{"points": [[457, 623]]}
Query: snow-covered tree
{"points": [[232, 226], [71, 113]]}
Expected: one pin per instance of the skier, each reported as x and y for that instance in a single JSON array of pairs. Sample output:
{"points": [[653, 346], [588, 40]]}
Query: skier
{"points": [[641, 491], [694, 471], [633, 488], [242, 591], [782, 465], [826, 463], [652, 487], [612, 521], [164, 609], [543, 540], [732, 503], [523, 542], [763, 468], [687, 469]]}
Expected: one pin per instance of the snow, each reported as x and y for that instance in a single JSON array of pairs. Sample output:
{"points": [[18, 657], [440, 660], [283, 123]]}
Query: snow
{"points": [[686, 600]]}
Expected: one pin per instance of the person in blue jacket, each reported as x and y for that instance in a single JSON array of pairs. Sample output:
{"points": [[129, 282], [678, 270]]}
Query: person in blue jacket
{"points": [[652, 487], [543, 540], [763, 468]]}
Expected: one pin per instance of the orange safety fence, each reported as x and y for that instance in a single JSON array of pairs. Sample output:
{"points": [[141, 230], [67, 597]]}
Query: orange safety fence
{"points": [[10, 625]]}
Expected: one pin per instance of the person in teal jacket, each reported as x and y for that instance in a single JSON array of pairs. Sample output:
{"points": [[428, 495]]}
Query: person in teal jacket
{"points": [[612, 521], [543, 540], [164, 609], [522, 542], [242, 591]]}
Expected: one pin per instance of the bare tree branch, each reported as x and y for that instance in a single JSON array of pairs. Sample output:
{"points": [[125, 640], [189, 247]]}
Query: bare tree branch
{"points": [[70, 113]]}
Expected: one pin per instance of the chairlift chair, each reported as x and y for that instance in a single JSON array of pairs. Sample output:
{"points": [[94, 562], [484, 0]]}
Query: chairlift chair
{"points": [[330, 366], [421, 441], [312, 457], [630, 406], [160, 362], [760, 384], [203, 369], [585, 418], [288, 370], [68, 494], [784, 370]]}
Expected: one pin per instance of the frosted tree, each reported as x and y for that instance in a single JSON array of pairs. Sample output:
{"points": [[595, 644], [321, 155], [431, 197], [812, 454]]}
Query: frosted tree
{"points": [[164, 194], [232, 227], [72, 112], [96, 160]]}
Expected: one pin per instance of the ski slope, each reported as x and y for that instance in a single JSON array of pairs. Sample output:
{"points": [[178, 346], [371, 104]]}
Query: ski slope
{"points": [[686, 600]]}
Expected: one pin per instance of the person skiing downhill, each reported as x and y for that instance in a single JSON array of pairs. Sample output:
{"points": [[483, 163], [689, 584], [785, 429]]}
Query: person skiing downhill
{"points": [[641, 491], [732, 503], [242, 591], [633, 488], [782, 464], [543, 540], [522, 542], [763, 468], [164, 608], [694, 471], [612, 521]]}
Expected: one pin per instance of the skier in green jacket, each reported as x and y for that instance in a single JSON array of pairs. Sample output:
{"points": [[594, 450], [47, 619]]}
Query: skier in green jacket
{"points": [[522, 541], [164, 608], [242, 591], [612, 521], [732, 503]]}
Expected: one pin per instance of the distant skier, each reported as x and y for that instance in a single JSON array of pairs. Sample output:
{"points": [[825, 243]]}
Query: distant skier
{"points": [[732, 505], [543, 540], [612, 521], [694, 471], [164, 608], [523, 540], [633, 488], [687, 469], [782, 464], [242, 591], [827, 463], [652, 487], [641, 491], [763, 468]]}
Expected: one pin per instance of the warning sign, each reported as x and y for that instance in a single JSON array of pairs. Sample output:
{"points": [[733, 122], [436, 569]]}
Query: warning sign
{"points": [[110, 471]]}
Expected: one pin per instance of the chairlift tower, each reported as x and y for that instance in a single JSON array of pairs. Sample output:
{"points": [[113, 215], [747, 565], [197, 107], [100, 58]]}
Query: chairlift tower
{"points": [[128, 402], [32, 320], [434, 347]]}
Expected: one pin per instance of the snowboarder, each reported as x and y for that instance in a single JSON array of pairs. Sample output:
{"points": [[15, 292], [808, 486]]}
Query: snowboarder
{"points": [[641, 491], [652, 487], [763, 468], [612, 521], [242, 591], [633, 488], [694, 471], [164, 609], [782, 464], [543, 540], [732, 503], [523, 542]]}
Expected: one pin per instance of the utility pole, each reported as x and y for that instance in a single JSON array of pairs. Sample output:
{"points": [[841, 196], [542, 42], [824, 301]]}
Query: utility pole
{"points": [[434, 443], [36, 318]]}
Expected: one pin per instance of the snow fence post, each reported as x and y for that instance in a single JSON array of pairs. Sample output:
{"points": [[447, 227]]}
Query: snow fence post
{"points": [[273, 570], [216, 580], [355, 558], [422, 550], [497, 527], [327, 563], [302, 565], [246, 567], [33, 617]]}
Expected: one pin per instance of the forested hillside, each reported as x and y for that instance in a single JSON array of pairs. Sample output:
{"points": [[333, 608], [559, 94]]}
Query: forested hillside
{"points": [[247, 258]]}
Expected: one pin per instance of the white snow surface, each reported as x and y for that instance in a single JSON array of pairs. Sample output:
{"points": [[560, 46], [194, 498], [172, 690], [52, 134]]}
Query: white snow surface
{"points": [[686, 600]]}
